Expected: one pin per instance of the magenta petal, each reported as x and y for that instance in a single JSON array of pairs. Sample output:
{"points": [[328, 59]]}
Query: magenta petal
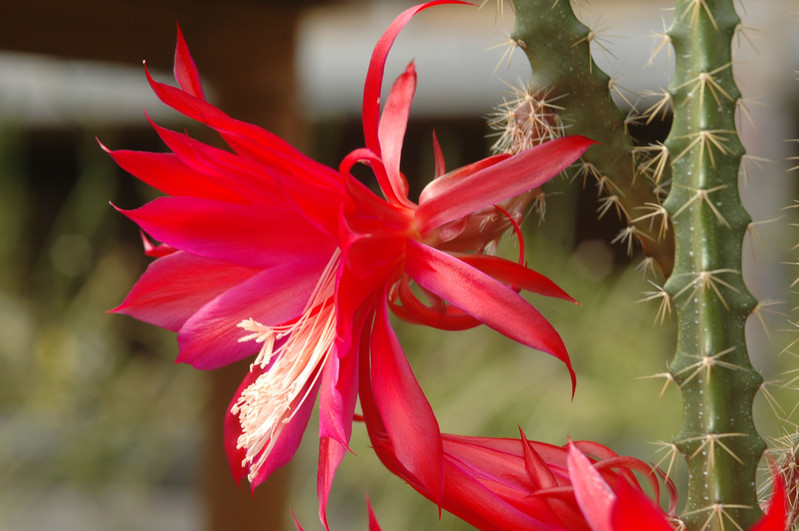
{"points": [[515, 275], [377, 64], [331, 453], [235, 455], [508, 178], [485, 299], [409, 421], [391, 130], [155, 251], [245, 179], [776, 517], [440, 167], [246, 139], [296, 522], [262, 235], [166, 172], [633, 511], [594, 496], [290, 438], [338, 395], [373, 524], [210, 338], [537, 470], [166, 295], [185, 70]]}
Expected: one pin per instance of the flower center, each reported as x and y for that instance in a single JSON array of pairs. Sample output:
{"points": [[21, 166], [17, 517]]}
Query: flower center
{"points": [[270, 402]]}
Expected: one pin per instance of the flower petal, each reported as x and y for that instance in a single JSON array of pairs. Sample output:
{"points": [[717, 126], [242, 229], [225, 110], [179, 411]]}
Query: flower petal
{"points": [[408, 419], [247, 179], [288, 439], [777, 514], [167, 173], [440, 167], [373, 523], [508, 178], [166, 295], [377, 64], [633, 511], [331, 453], [515, 275], [246, 139], [337, 397], [262, 235], [484, 298], [594, 496], [537, 470], [210, 338], [391, 130], [185, 70]]}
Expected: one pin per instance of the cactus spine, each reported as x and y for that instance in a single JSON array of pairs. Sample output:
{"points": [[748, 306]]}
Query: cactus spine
{"points": [[711, 366], [558, 47]]}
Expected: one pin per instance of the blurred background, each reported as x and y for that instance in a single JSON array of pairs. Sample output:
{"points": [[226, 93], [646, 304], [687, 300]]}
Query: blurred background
{"points": [[99, 430]]}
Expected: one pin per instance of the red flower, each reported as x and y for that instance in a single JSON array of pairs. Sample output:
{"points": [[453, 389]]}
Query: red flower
{"points": [[516, 484], [264, 246], [612, 505]]}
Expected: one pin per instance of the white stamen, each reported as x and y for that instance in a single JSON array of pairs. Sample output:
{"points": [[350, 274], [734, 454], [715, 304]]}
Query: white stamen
{"points": [[269, 403]]}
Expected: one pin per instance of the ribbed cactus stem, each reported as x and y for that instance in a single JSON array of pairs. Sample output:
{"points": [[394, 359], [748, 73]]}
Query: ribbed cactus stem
{"points": [[711, 366], [558, 47]]}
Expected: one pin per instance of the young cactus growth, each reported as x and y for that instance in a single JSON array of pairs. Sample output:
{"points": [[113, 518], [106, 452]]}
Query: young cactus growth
{"points": [[558, 47], [711, 366]]}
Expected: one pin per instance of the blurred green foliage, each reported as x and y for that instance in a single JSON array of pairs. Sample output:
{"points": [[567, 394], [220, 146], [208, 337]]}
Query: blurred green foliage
{"points": [[87, 400]]}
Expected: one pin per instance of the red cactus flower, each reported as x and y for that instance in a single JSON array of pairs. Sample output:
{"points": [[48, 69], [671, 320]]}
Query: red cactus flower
{"points": [[611, 505], [516, 484], [266, 251]]}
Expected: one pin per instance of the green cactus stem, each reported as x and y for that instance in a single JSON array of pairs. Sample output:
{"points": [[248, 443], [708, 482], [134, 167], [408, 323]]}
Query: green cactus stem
{"points": [[558, 47], [711, 366]]}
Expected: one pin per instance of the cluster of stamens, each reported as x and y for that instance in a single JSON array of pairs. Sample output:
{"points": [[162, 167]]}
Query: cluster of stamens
{"points": [[293, 355]]}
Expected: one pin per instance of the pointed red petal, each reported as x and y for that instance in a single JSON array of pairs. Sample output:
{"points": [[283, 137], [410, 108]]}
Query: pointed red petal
{"points": [[537, 470], [377, 64], [499, 181], [337, 398], [391, 130], [438, 158], [185, 70], [288, 440], [246, 139], [338, 395], [210, 338], [155, 251], [776, 517], [262, 235], [633, 511], [515, 275], [406, 414], [296, 522], [166, 295], [241, 176], [373, 524], [594, 496], [167, 173], [484, 298], [331, 452]]}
